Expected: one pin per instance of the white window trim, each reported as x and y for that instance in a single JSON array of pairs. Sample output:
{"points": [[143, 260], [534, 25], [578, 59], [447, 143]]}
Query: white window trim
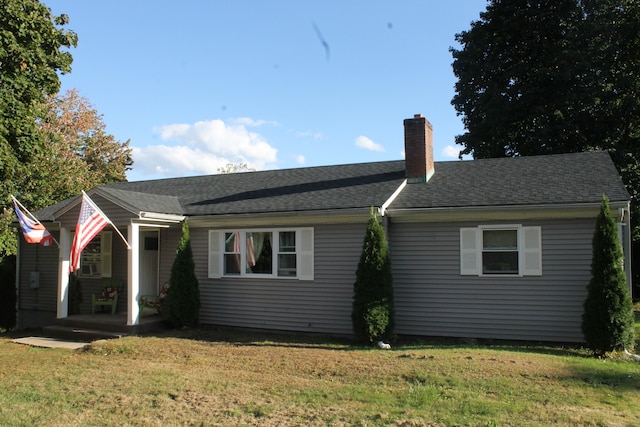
{"points": [[529, 250], [304, 253]]}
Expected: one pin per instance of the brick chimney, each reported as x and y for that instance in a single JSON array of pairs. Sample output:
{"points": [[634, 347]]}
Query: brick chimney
{"points": [[418, 149]]}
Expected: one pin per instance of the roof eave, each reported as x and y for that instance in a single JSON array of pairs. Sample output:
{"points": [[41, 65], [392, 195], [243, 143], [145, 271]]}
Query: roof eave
{"points": [[155, 216], [284, 218], [504, 212]]}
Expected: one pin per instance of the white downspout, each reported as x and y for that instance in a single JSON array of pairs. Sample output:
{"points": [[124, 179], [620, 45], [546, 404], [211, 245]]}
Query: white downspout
{"points": [[383, 209]]}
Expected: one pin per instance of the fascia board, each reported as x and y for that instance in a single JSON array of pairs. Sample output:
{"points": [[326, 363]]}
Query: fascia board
{"points": [[512, 213], [347, 216]]}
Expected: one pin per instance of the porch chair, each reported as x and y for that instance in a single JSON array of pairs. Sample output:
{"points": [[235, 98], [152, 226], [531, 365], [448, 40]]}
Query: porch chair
{"points": [[154, 301], [110, 290]]}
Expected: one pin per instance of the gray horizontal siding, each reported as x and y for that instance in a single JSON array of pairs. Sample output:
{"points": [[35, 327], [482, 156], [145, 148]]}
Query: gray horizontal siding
{"points": [[45, 261], [322, 305], [433, 299]]}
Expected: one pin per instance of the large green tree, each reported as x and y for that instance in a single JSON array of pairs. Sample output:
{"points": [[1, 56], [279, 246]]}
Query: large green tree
{"points": [[33, 50], [553, 76]]}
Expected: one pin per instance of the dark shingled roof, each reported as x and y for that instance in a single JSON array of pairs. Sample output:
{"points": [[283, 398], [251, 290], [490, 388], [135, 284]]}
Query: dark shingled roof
{"points": [[287, 190], [536, 180]]}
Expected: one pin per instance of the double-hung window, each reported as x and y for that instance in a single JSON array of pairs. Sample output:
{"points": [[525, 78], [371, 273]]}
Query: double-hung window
{"points": [[261, 253], [95, 259], [501, 250]]}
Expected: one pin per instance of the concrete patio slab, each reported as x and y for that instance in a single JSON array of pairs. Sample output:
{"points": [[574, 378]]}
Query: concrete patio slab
{"points": [[50, 343]]}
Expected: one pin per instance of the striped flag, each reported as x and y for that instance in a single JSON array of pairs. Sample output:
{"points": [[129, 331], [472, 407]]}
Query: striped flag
{"points": [[32, 230], [90, 222]]}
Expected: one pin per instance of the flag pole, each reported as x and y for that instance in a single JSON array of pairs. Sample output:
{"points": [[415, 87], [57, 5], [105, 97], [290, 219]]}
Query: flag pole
{"points": [[31, 216], [93, 205]]}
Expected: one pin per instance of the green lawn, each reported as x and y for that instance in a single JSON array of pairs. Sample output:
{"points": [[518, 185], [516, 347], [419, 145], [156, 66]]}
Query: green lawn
{"points": [[221, 377]]}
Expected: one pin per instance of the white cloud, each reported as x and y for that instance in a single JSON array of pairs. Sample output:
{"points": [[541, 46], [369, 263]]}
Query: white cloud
{"points": [[300, 159], [203, 147], [366, 143], [451, 152], [247, 121], [178, 160]]}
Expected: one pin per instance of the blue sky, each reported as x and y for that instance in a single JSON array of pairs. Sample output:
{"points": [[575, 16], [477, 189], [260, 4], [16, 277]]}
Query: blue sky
{"points": [[197, 84]]}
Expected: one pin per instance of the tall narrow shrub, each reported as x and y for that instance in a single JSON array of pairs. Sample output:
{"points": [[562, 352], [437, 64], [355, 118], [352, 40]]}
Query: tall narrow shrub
{"points": [[183, 298], [373, 313], [607, 321]]}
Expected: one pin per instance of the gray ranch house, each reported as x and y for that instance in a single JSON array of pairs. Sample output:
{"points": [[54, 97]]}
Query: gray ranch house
{"points": [[494, 248]]}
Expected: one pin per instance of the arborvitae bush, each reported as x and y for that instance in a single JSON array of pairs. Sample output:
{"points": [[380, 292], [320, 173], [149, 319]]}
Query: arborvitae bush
{"points": [[373, 314], [607, 321], [183, 298]]}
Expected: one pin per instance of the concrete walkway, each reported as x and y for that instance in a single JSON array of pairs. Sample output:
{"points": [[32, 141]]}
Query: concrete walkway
{"points": [[50, 342]]}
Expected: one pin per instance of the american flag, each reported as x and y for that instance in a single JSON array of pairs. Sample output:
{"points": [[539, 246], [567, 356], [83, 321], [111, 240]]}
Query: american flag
{"points": [[90, 222]]}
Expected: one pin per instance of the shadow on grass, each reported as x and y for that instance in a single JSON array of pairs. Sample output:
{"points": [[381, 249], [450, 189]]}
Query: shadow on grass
{"points": [[550, 348], [601, 374], [250, 337], [244, 337]]}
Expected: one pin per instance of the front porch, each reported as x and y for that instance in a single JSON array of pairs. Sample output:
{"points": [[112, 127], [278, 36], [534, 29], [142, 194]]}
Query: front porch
{"points": [[90, 327]]}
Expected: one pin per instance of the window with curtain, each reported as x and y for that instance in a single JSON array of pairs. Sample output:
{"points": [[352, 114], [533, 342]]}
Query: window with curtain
{"points": [[286, 253]]}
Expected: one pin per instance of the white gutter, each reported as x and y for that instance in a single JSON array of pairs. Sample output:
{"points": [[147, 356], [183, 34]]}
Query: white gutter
{"points": [[382, 210], [153, 216], [463, 213], [550, 206]]}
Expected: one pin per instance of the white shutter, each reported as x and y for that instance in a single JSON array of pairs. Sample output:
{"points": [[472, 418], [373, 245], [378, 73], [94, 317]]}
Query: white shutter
{"points": [[215, 254], [470, 251], [531, 251], [305, 254], [105, 253]]}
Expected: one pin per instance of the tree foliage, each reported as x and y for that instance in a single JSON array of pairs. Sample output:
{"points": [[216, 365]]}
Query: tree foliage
{"points": [[31, 54], [74, 144], [183, 299], [33, 50], [608, 320], [373, 313], [543, 77], [32, 43], [235, 168]]}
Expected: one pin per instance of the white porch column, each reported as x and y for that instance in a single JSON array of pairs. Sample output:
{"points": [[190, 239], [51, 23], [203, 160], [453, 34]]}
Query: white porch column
{"points": [[133, 278], [63, 273]]}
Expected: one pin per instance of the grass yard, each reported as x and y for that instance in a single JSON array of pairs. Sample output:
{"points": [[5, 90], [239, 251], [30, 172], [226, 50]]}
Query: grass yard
{"points": [[219, 377]]}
